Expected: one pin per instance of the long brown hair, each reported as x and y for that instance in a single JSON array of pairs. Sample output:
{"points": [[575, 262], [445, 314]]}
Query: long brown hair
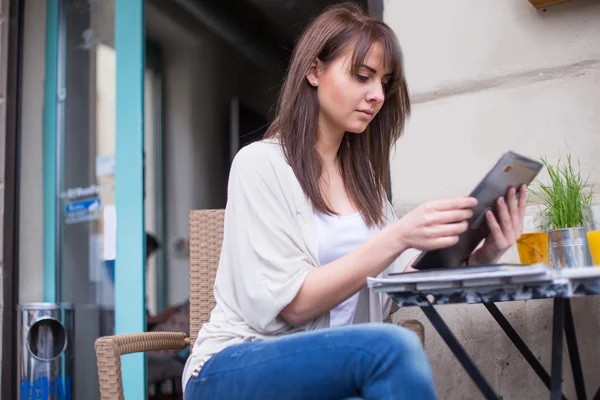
{"points": [[364, 158]]}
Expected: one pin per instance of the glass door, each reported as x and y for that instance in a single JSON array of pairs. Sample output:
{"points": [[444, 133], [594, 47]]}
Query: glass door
{"points": [[154, 200], [94, 158]]}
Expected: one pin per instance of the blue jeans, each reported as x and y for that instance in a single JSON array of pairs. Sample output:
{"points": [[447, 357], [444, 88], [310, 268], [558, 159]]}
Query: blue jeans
{"points": [[372, 361]]}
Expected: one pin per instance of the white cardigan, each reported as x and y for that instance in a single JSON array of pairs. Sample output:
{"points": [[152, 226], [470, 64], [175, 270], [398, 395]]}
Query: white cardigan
{"points": [[269, 247]]}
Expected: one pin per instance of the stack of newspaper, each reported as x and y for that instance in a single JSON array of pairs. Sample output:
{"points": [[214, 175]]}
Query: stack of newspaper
{"points": [[483, 275]]}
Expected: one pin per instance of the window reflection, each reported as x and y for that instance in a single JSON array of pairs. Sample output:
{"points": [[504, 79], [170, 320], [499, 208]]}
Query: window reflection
{"points": [[86, 215]]}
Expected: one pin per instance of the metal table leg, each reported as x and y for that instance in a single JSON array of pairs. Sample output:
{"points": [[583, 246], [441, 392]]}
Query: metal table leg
{"points": [[459, 352], [574, 352], [557, 348], [520, 344]]}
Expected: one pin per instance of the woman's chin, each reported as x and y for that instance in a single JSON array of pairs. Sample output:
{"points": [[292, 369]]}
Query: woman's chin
{"points": [[357, 128]]}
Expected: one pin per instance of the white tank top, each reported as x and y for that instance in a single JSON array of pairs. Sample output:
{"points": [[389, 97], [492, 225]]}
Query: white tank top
{"points": [[336, 237]]}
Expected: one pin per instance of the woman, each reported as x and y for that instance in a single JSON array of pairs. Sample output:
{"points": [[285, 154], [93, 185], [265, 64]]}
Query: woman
{"points": [[307, 221]]}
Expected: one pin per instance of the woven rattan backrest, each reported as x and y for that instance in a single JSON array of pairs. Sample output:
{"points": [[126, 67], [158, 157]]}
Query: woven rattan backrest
{"points": [[206, 236]]}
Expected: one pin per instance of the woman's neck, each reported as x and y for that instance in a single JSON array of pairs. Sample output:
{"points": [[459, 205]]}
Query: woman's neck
{"points": [[328, 145]]}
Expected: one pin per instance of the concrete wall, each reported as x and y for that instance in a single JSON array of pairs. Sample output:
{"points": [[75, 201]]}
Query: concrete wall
{"points": [[202, 74], [486, 77]]}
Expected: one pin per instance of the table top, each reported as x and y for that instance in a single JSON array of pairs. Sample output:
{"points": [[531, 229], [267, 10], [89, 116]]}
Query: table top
{"points": [[499, 283]]}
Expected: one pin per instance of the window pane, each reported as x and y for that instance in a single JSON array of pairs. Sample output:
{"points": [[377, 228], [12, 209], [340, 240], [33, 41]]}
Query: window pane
{"points": [[86, 179]]}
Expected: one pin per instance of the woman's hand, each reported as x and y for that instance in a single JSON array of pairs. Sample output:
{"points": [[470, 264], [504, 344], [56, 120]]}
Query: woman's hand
{"points": [[504, 233], [435, 225]]}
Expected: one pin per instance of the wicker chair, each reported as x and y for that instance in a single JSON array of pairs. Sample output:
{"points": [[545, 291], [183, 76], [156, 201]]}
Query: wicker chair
{"points": [[206, 235]]}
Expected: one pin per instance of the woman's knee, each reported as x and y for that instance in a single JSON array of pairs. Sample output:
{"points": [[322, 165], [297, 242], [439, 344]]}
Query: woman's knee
{"points": [[392, 338], [398, 349]]}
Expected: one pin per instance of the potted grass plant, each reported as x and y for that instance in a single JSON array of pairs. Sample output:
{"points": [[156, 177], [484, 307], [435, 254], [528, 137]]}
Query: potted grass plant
{"points": [[562, 200]]}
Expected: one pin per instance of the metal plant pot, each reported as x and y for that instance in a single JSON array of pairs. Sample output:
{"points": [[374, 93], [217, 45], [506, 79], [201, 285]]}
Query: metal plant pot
{"points": [[569, 248]]}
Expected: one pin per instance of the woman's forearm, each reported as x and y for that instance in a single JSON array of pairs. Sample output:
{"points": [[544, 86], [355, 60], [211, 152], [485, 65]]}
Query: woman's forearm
{"points": [[331, 284], [432, 225]]}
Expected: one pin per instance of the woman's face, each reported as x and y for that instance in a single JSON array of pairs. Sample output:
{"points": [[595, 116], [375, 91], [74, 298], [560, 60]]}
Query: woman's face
{"points": [[348, 103]]}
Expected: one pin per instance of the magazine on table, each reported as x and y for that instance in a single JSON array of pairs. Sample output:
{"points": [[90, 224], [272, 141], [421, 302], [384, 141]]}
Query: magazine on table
{"points": [[519, 271]]}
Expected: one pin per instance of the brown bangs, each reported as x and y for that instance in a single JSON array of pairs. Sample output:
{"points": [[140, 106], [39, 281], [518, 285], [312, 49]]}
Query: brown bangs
{"points": [[392, 56]]}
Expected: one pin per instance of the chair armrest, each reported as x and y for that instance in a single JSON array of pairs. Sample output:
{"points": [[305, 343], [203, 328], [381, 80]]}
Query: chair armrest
{"points": [[109, 350]]}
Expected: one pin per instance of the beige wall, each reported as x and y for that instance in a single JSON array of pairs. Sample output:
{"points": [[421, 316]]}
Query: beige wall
{"points": [[486, 77]]}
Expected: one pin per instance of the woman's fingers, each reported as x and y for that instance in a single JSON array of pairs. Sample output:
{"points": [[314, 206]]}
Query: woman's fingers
{"points": [[443, 242], [449, 210], [443, 221], [451, 216], [513, 209], [505, 219], [454, 204], [495, 229], [449, 229]]}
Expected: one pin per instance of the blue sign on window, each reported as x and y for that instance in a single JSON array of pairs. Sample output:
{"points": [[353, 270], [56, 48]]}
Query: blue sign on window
{"points": [[83, 210], [46, 389]]}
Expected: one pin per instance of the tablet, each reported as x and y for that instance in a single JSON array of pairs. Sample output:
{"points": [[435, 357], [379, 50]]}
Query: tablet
{"points": [[511, 170]]}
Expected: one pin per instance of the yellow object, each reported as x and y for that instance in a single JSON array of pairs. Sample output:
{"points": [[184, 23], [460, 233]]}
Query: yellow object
{"points": [[533, 247], [594, 241], [545, 3]]}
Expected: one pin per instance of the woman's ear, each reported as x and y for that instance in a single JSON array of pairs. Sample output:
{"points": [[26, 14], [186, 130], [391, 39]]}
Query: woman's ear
{"points": [[312, 75]]}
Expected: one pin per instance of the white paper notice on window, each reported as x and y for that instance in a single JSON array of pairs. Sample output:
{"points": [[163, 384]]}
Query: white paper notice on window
{"points": [[105, 165], [110, 232]]}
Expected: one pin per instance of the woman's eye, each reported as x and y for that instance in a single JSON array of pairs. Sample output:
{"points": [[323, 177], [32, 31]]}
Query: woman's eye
{"points": [[385, 84], [362, 78]]}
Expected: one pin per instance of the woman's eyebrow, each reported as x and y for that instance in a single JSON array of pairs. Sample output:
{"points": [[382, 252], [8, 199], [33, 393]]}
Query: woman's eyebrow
{"points": [[373, 70]]}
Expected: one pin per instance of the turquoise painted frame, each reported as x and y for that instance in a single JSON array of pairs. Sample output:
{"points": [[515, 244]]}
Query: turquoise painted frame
{"points": [[130, 282], [49, 149]]}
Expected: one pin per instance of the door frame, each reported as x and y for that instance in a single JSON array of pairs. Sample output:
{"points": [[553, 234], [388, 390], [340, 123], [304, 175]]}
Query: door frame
{"points": [[130, 263], [50, 149], [10, 250]]}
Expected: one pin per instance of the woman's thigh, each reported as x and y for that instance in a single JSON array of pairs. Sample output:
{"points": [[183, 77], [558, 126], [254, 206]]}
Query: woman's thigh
{"points": [[369, 360]]}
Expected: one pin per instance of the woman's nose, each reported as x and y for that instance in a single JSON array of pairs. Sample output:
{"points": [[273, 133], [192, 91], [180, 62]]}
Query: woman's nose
{"points": [[376, 94]]}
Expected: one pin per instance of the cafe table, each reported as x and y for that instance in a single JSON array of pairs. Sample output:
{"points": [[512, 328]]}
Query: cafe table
{"points": [[493, 284]]}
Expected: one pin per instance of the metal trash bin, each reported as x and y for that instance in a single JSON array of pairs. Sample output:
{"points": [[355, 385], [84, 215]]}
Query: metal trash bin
{"points": [[45, 351]]}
